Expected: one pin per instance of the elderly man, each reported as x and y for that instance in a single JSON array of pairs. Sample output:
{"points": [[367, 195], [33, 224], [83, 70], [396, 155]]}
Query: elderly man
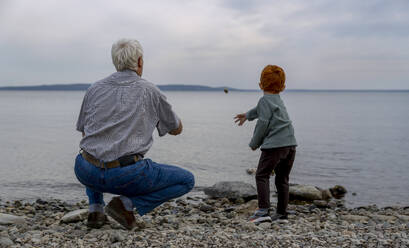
{"points": [[117, 119]]}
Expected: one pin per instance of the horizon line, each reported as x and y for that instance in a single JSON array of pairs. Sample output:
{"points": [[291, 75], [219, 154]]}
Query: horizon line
{"points": [[197, 85]]}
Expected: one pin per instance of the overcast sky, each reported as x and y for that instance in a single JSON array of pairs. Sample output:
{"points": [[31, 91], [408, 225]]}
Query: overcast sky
{"points": [[320, 44]]}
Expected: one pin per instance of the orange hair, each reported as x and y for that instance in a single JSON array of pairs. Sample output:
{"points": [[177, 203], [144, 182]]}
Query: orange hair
{"points": [[272, 79]]}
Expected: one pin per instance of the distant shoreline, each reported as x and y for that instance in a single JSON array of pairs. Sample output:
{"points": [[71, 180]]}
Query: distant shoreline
{"points": [[83, 87], [180, 87]]}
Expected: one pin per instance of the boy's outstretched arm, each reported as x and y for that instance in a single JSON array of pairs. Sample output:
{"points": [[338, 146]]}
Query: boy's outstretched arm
{"points": [[249, 115], [252, 114]]}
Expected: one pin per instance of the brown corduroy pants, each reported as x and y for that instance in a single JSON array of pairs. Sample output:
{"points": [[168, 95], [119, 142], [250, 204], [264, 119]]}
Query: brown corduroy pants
{"points": [[281, 161]]}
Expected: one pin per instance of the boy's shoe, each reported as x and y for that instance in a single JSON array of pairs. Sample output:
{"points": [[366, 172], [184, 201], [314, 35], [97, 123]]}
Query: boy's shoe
{"points": [[96, 220], [279, 217], [260, 216], [117, 211]]}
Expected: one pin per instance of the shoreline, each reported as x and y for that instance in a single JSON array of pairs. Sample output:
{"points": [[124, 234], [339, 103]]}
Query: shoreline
{"points": [[351, 200], [197, 221], [199, 191]]}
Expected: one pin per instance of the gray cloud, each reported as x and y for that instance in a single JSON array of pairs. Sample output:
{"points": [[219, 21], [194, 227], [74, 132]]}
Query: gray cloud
{"points": [[321, 44]]}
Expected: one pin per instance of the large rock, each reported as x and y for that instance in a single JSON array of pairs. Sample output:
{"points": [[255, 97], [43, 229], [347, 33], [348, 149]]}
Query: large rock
{"points": [[232, 190], [8, 219], [312, 193], [305, 192], [75, 216]]}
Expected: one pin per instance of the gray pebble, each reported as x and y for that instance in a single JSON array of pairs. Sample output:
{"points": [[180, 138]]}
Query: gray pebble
{"points": [[5, 242]]}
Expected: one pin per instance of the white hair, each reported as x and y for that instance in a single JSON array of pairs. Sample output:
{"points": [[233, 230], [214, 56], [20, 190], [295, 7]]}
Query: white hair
{"points": [[125, 54]]}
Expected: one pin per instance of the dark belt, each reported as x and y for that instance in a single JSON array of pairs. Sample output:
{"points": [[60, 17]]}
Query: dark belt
{"points": [[120, 162]]}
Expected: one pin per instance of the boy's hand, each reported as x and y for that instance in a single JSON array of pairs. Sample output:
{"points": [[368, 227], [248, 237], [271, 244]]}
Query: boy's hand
{"points": [[240, 119]]}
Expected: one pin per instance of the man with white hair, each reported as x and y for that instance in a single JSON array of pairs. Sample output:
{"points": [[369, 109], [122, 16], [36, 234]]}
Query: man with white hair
{"points": [[117, 119]]}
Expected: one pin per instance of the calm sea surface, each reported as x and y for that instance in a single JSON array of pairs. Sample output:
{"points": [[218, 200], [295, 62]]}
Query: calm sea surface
{"points": [[359, 140]]}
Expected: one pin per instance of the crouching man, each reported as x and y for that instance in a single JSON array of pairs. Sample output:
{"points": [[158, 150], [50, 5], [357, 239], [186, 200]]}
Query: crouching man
{"points": [[117, 119]]}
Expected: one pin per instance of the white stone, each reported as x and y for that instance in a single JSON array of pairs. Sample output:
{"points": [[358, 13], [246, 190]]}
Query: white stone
{"points": [[5, 242], [8, 219], [117, 237], [355, 218], [75, 216], [36, 240], [404, 217], [282, 221], [383, 217]]}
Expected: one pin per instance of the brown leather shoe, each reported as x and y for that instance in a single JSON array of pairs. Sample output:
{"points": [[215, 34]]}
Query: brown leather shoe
{"points": [[117, 211], [96, 220]]}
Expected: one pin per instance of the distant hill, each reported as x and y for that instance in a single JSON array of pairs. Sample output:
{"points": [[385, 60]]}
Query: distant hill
{"points": [[183, 87], [49, 87], [79, 87]]}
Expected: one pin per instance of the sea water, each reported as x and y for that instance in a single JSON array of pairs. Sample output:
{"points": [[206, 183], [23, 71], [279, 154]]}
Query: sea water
{"points": [[356, 139]]}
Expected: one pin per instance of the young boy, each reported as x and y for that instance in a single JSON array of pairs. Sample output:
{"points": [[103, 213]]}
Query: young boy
{"points": [[274, 134]]}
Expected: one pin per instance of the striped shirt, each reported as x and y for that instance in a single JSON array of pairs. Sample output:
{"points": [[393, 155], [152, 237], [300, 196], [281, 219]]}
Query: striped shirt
{"points": [[119, 115]]}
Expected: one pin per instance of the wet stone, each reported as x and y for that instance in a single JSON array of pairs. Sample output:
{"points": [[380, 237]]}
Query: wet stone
{"points": [[320, 203], [206, 208]]}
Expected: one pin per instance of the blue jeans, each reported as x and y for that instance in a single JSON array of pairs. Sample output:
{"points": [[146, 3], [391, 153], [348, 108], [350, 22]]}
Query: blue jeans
{"points": [[146, 183]]}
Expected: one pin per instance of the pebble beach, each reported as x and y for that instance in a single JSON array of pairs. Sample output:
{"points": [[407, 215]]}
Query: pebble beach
{"points": [[196, 221]]}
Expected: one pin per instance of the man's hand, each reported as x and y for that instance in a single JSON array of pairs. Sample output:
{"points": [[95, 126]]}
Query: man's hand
{"points": [[177, 130], [253, 148], [240, 119]]}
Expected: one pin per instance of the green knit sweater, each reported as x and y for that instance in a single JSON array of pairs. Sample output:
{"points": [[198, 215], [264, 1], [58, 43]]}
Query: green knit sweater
{"points": [[274, 128]]}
